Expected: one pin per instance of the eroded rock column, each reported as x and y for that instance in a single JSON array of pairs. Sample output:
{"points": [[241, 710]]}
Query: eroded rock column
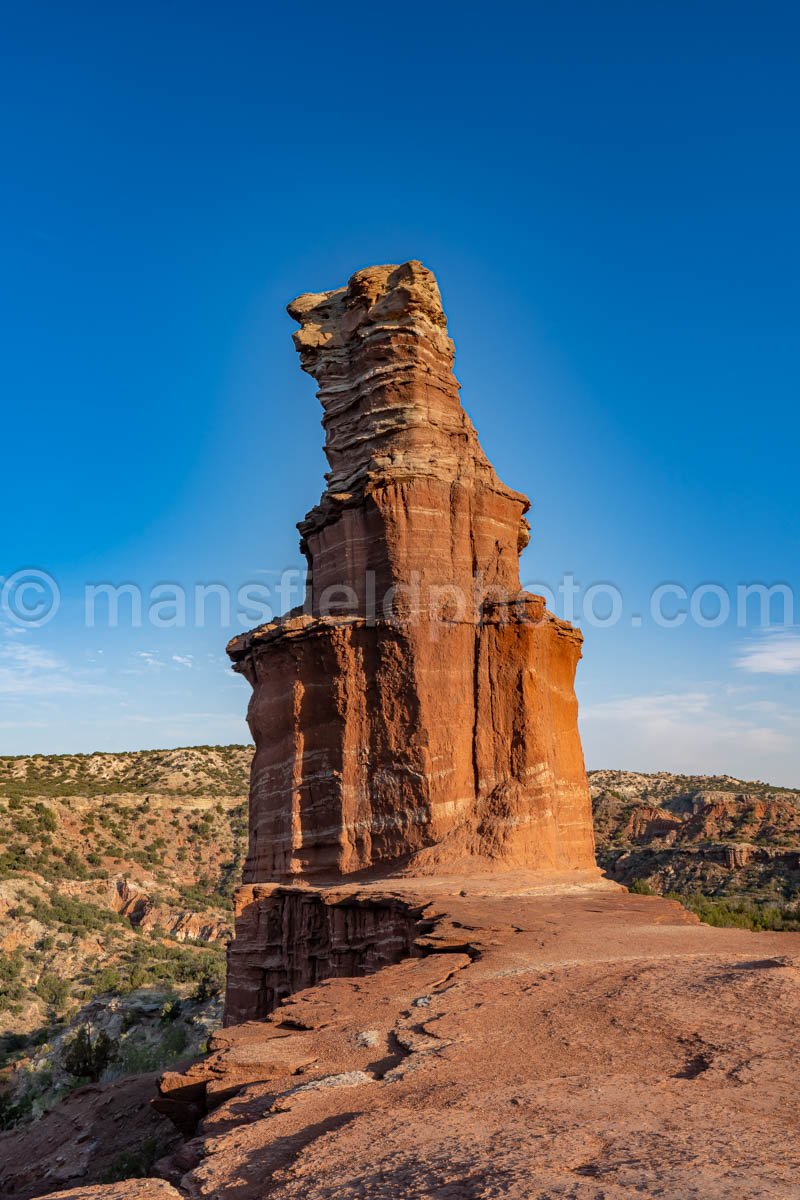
{"points": [[418, 715]]}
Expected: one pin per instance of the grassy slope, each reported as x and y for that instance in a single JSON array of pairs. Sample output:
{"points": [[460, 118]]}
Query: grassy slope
{"points": [[116, 871]]}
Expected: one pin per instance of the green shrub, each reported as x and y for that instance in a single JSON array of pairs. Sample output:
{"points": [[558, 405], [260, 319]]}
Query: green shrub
{"points": [[14, 1112], [86, 1057], [54, 991], [12, 989], [75, 916], [137, 976], [152, 963], [106, 980], [210, 983], [137, 1056], [10, 966], [171, 1010], [47, 818], [742, 914], [640, 887]]}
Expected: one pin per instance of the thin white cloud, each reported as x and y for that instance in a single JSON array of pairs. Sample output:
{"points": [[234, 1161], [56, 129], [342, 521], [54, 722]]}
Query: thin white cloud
{"points": [[692, 732], [776, 653], [10, 630], [25, 656], [183, 719], [183, 660], [650, 709], [767, 707], [30, 672], [149, 659]]}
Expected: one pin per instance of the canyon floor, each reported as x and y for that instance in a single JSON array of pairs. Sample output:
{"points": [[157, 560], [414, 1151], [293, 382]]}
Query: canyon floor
{"points": [[550, 1040]]}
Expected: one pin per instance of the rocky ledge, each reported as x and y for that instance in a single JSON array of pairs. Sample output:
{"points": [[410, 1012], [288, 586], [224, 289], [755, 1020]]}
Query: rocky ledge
{"points": [[541, 1040]]}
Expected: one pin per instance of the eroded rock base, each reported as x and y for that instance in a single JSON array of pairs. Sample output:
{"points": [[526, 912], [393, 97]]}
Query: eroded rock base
{"points": [[288, 939]]}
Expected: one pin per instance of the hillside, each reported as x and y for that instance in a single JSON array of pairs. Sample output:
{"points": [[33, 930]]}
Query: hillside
{"points": [[115, 878], [116, 872], [728, 848], [190, 771]]}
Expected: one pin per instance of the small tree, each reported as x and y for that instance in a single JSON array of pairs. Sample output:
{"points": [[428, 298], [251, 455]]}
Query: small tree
{"points": [[86, 1057], [210, 983], [53, 990], [106, 980]]}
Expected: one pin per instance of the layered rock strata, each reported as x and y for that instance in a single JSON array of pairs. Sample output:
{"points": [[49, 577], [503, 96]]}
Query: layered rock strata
{"points": [[419, 714], [288, 939]]}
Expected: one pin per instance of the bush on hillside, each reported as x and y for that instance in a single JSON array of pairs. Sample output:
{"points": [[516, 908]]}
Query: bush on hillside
{"points": [[86, 1057], [54, 991]]}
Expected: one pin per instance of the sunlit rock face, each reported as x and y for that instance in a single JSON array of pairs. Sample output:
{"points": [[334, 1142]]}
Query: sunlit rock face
{"points": [[411, 498], [418, 715]]}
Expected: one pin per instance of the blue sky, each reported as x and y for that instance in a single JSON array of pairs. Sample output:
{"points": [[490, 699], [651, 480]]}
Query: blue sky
{"points": [[608, 195]]}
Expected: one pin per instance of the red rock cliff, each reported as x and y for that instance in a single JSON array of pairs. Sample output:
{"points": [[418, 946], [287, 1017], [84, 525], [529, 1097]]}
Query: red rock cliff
{"points": [[419, 715]]}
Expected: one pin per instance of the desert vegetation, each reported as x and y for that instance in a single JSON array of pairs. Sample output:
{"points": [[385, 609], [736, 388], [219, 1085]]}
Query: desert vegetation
{"points": [[728, 849], [116, 877]]}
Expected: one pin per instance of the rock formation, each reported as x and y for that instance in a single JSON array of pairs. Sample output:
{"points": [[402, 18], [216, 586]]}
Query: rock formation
{"points": [[288, 939], [524, 1028], [697, 835], [418, 714]]}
